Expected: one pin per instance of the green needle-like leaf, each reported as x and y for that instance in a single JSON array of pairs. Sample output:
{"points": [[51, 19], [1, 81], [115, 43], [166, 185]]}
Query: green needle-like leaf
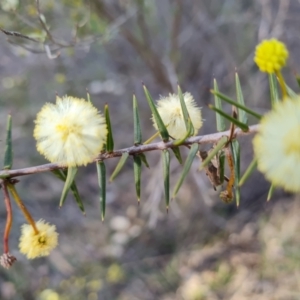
{"points": [[298, 80], [166, 174], [71, 173], [238, 105], [160, 124], [187, 134], [119, 166], [186, 117], [218, 103], [242, 116], [8, 155], [222, 165], [59, 174], [273, 89], [186, 167], [109, 139], [249, 171], [235, 149], [239, 124], [223, 140], [136, 123], [144, 160], [88, 96], [177, 154], [271, 192], [137, 168], [152, 138], [77, 196], [290, 92], [62, 175], [101, 172]]}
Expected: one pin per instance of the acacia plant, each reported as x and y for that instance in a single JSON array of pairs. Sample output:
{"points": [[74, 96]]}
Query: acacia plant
{"points": [[72, 132]]}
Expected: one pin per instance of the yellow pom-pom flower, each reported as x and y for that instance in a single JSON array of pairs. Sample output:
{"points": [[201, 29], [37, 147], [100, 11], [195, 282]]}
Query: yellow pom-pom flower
{"points": [[34, 244], [271, 55], [169, 109], [70, 132], [277, 145]]}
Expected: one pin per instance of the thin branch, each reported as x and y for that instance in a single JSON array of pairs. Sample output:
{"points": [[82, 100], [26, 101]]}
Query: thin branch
{"points": [[49, 54], [32, 50], [175, 33], [18, 34], [202, 139], [151, 58], [8, 218], [45, 27], [59, 45]]}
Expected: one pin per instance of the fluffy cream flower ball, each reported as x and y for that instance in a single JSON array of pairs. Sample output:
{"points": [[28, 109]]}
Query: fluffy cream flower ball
{"points": [[70, 132], [277, 145], [169, 109], [38, 244]]}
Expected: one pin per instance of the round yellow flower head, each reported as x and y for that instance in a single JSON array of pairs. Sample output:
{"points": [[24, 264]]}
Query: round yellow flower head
{"points": [[169, 109], [35, 245], [70, 132], [271, 55], [277, 145]]}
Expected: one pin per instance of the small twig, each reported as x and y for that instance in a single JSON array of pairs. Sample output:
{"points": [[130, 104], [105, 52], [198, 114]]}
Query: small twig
{"points": [[49, 54], [45, 27], [201, 139], [18, 34], [175, 32], [29, 49], [8, 218], [227, 195], [22, 206]]}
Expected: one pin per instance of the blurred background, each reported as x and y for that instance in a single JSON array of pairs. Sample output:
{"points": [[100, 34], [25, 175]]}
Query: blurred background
{"points": [[201, 249]]}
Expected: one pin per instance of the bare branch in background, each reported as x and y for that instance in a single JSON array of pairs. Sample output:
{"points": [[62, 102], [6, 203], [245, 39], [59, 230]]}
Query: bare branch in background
{"points": [[18, 34], [49, 54], [142, 46], [175, 33], [45, 28], [47, 49], [150, 57]]}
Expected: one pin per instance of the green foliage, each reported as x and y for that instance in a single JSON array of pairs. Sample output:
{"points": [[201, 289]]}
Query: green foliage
{"points": [[236, 104], [187, 120], [160, 124], [8, 155], [233, 120], [101, 172], [271, 191], [218, 103], [242, 116], [273, 89], [62, 175], [187, 165], [249, 171], [235, 149], [220, 144], [110, 140], [176, 151], [69, 177], [119, 166], [136, 123], [137, 167], [166, 175]]}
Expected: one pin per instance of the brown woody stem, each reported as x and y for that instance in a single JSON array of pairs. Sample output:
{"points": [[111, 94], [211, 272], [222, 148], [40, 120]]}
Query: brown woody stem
{"points": [[201, 139], [8, 218], [282, 84], [21, 205]]}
